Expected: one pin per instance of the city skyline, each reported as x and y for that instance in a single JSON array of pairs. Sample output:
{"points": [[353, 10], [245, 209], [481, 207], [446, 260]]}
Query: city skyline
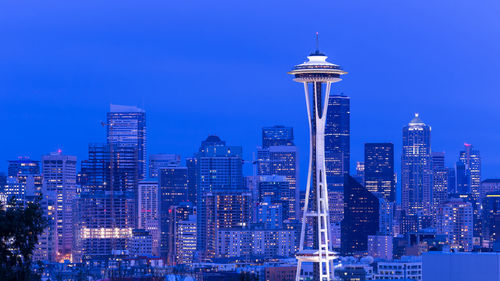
{"points": [[69, 93]]}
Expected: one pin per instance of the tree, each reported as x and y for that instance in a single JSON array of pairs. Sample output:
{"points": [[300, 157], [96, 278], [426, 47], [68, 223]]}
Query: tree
{"points": [[20, 227]]}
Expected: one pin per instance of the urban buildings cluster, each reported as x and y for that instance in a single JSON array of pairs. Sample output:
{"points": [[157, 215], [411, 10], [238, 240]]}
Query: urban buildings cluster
{"points": [[123, 212]]}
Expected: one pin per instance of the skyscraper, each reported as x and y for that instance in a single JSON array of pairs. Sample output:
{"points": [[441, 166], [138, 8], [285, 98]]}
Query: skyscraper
{"points": [[317, 76], [361, 217], [379, 169], [416, 168], [439, 180], [219, 168], [455, 220], [279, 156], [59, 177], [149, 211], [173, 187], [471, 159], [337, 138], [106, 208], [224, 210], [126, 126]]}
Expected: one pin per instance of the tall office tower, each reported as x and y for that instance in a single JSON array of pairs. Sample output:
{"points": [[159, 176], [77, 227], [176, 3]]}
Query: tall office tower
{"points": [[452, 181], [439, 180], [176, 214], [471, 159], [337, 138], [386, 215], [192, 166], [279, 156], [361, 217], [149, 211], [416, 168], [317, 76], [126, 125], [225, 210], [185, 238], [491, 217], [379, 169], [337, 152], [59, 177], [219, 167], [106, 209], [488, 186], [454, 219], [462, 179], [277, 136], [162, 160], [173, 190]]}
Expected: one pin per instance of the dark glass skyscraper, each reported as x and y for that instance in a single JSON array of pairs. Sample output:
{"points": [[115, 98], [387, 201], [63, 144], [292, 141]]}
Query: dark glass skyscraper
{"points": [[126, 126], [471, 160], [440, 179], [416, 168], [361, 217], [337, 154], [278, 156], [379, 169], [173, 189], [337, 139], [219, 168]]}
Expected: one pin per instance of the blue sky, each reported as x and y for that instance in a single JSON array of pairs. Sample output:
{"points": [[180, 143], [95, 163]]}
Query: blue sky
{"points": [[219, 67]]}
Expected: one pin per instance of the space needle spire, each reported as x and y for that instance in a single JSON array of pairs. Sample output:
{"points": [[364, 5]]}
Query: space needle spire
{"points": [[317, 76]]}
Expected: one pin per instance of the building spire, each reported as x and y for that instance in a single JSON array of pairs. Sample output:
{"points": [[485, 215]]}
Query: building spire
{"points": [[317, 42]]}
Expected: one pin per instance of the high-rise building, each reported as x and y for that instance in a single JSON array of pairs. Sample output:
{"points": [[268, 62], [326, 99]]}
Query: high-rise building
{"points": [[455, 220], [488, 186], [126, 126], [416, 168], [173, 190], [224, 209], [192, 166], [361, 217], [185, 240], [337, 137], [337, 152], [277, 136], [379, 169], [176, 215], [439, 180], [59, 177], [24, 180], [157, 161], [219, 168], [149, 211], [491, 217], [471, 159], [317, 76], [106, 209], [452, 181], [279, 156]]}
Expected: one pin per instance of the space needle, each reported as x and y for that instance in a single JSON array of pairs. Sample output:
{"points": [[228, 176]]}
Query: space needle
{"points": [[317, 75]]}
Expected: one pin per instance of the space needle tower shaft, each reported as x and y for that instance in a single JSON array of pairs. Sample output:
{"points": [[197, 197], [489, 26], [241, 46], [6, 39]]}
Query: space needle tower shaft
{"points": [[317, 76]]}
